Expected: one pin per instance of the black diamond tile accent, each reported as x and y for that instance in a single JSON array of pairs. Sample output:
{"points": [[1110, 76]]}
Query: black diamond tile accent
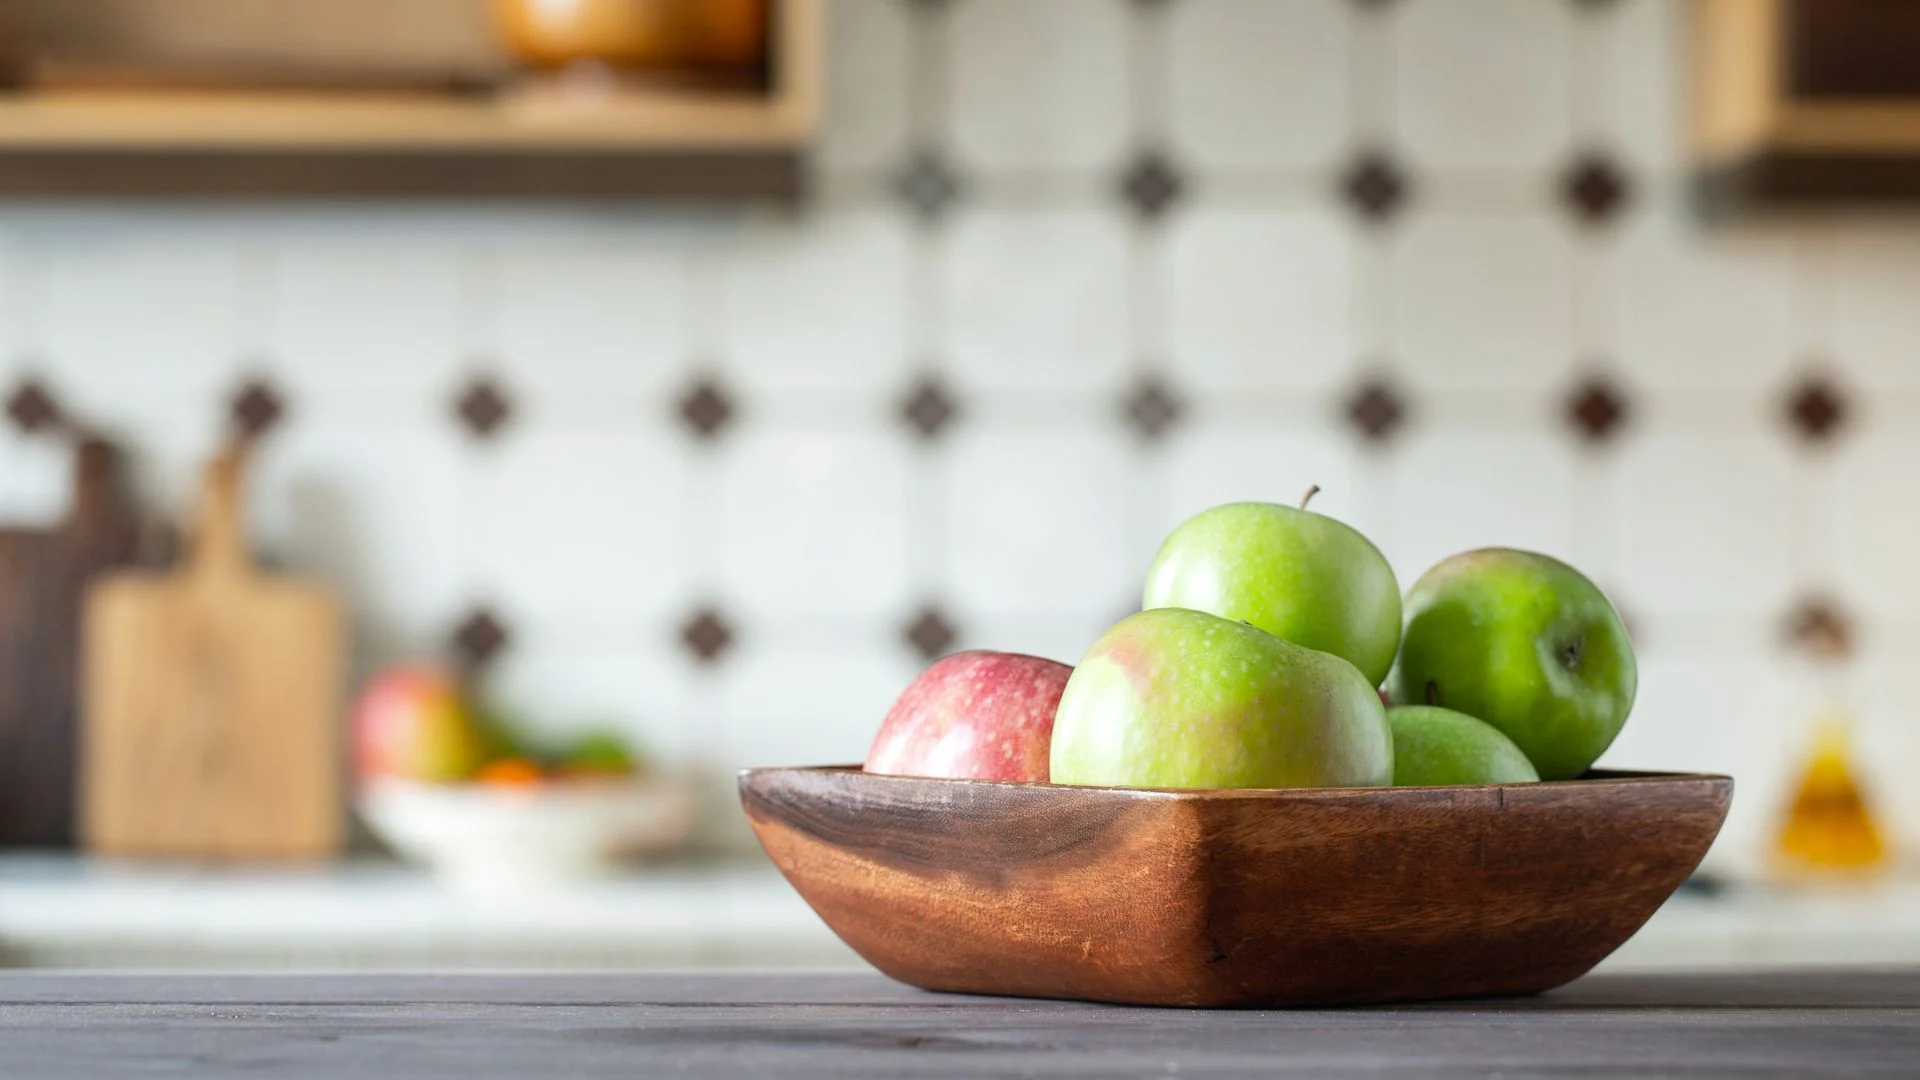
{"points": [[1151, 407], [706, 635], [1151, 185], [31, 407], [479, 638], [929, 408], [483, 408], [1375, 187], [930, 633], [1816, 409], [1594, 189], [706, 408], [255, 409], [928, 185], [1818, 627], [1596, 409], [1376, 410]]}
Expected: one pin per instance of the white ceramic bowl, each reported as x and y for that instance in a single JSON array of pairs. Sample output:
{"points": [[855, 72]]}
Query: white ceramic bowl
{"points": [[504, 837]]}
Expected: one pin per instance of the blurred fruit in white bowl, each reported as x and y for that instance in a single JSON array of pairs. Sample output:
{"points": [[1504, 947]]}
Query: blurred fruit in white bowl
{"points": [[446, 783]]}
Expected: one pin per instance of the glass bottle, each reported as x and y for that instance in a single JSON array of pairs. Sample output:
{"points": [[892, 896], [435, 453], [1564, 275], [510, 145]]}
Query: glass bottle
{"points": [[1830, 827]]}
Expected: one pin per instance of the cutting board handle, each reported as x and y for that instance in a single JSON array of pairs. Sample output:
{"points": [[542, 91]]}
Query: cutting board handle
{"points": [[96, 484], [219, 545]]}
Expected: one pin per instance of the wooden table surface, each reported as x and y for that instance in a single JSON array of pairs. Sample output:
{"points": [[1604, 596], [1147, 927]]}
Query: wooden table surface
{"points": [[1864, 1023]]}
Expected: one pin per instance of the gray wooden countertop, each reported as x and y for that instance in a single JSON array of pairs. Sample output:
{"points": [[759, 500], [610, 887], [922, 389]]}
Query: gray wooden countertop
{"points": [[1863, 1023]]}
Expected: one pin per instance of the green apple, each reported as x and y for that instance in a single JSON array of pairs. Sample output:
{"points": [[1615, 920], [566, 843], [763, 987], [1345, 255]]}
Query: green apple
{"points": [[1296, 574], [1525, 643], [1433, 746], [1172, 698]]}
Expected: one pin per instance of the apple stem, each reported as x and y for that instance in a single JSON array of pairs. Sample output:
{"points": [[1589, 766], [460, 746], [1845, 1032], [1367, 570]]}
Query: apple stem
{"points": [[1433, 692], [1312, 490]]}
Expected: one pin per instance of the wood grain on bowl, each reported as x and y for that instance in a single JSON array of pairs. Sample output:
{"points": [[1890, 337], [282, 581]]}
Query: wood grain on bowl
{"points": [[1233, 898]]}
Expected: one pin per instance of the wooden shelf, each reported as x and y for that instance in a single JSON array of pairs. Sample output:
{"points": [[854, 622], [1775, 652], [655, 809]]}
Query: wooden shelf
{"points": [[1770, 131], [537, 143]]}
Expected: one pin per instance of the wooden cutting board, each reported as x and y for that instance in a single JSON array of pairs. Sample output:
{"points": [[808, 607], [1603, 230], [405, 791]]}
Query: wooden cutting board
{"points": [[212, 698], [42, 576]]}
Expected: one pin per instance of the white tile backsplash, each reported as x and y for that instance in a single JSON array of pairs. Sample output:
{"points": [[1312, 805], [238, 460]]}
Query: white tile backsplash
{"points": [[1039, 86], [376, 515], [584, 527], [1702, 523], [1258, 84], [1481, 300], [869, 87], [1455, 492], [814, 703], [1033, 298], [359, 315], [140, 313], [814, 526], [1483, 84], [1038, 523], [817, 303], [818, 522], [1697, 308], [592, 319], [1876, 522], [1876, 320], [1260, 297], [1642, 101]]}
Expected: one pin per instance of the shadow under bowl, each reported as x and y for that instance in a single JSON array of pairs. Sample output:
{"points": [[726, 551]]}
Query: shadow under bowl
{"points": [[1233, 897]]}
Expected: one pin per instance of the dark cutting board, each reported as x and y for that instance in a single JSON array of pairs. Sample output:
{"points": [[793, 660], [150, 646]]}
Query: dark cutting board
{"points": [[43, 577]]}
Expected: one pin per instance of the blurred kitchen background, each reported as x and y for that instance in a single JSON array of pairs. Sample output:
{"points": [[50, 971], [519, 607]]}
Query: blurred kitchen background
{"points": [[721, 464]]}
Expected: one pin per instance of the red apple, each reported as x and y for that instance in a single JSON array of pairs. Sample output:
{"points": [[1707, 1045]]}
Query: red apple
{"points": [[414, 724], [973, 716]]}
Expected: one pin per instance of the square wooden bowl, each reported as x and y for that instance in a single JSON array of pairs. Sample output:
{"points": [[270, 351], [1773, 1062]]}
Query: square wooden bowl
{"points": [[1233, 898]]}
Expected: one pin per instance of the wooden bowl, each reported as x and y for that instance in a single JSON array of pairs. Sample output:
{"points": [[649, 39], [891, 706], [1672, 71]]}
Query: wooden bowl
{"points": [[1233, 898]]}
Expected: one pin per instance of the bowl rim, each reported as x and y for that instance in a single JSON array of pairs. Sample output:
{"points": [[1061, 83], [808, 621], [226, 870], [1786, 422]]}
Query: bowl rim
{"points": [[1593, 779]]}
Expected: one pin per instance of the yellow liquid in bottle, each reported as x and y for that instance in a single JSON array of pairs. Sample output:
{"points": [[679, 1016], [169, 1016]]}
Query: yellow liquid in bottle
{"points": [[1830, 826]]}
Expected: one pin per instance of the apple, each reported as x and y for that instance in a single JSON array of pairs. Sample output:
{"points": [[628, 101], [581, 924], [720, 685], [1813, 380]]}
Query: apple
{"points": [[1433, 746], [1173, 698], [1298, 575], [414, 724], [1525, 643], [975, 715]]}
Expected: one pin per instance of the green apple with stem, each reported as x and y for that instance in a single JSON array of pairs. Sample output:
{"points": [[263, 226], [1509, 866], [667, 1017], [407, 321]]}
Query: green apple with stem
{"points": [[1298, 575], [1433, 746], [1174, 698], [1526, 643]]}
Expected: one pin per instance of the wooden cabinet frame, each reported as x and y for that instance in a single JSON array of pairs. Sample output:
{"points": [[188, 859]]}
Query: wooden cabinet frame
{"points": [[1757, 143], [674, 145]]}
